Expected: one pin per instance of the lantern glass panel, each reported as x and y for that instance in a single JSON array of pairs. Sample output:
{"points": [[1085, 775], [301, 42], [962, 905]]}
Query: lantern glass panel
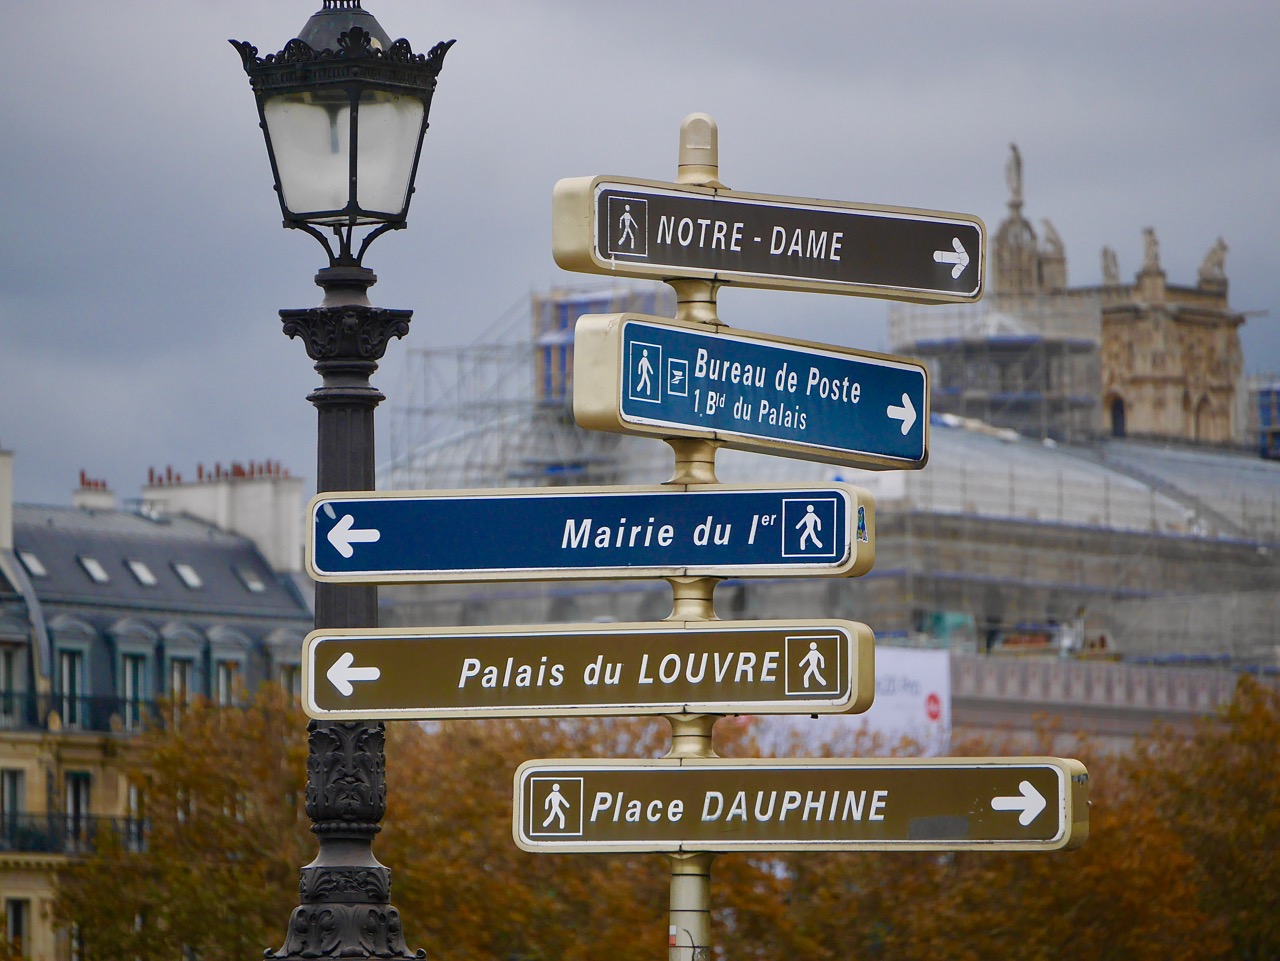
{"points": [[390, 126], [310, 136]]}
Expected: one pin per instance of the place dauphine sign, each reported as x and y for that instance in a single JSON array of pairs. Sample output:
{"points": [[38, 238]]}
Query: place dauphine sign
{"points": [[627, 227], [662, 667], [592, 532], [725, 804], [663, 378]]}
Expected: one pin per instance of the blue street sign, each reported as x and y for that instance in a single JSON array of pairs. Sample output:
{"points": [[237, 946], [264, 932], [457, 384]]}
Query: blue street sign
{"points": [[651, 375], [591, 533]]}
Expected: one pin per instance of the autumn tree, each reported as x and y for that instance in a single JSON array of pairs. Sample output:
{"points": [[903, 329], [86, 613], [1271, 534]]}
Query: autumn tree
{"points": [[1219, 793], [217, 869], [468, 890], [1182, 860], [1129, 893]]}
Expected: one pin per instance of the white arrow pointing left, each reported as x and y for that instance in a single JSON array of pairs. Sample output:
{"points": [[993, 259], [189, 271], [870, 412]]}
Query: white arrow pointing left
{"points": [[1030, 802], [342, 536], [960, 258], [341, 674], [906, 413]]}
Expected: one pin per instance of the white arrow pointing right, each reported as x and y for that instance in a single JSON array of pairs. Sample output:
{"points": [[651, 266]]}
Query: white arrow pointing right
{"points": [[341, 674], [906, 413], [960, 258], [1030, 802], [341, 536]]}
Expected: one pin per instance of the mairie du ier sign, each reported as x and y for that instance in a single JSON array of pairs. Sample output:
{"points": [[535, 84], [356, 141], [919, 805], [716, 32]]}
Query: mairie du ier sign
{"points": [[637, 374], [592, 532], [627, 227]]}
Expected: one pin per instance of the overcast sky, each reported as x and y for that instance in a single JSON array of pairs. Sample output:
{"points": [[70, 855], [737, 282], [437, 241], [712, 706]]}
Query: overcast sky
{"points": [[143, 261]]}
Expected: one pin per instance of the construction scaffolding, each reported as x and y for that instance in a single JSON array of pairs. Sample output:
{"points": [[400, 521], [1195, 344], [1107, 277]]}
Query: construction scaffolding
{"points": [[1263, 414], [498, 411], [1029, 363]]}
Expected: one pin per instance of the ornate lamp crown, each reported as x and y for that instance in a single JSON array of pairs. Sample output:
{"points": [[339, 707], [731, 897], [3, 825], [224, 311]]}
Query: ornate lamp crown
{"points": [[358, 54], [344, 111]]}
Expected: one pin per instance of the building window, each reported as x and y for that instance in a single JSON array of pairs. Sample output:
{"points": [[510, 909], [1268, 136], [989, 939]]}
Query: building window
{"points": [[93, 567], [32, 564], [188, 575], [182, 672], [253, 583], [10, 709], [133, 677], [143, 573], [18, 923], [79, 786], [13, 805], [70, 684], [227, 692], [135, 838], [291, 679]]}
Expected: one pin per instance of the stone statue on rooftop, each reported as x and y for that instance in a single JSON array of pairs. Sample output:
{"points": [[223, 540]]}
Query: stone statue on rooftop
{"points": [[1052, 240], [1214, 266], [1150, 251], [1013, 174], [1110, 268]]}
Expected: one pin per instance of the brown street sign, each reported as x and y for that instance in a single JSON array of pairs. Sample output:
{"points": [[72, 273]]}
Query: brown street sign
{"points": [[722, 804], [661, 667], [627, 227]]}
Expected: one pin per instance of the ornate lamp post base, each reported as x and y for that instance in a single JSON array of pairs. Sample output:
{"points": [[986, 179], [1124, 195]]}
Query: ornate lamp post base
{"points": [[346, 909]]}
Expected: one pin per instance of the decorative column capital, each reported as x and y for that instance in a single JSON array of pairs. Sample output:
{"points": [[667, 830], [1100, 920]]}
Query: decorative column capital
{"points": [[346, 332]]}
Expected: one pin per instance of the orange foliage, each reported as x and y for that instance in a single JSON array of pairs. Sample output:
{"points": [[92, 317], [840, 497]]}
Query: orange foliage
{"points": [[1182, 861]]}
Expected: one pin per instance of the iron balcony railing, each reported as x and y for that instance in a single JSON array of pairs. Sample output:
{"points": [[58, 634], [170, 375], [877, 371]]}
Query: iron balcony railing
{"points": [[26, 710], [67, 833]]}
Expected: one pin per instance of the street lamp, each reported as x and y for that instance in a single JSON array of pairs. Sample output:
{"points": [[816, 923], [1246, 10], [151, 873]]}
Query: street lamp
{"points": [[344, 111]]}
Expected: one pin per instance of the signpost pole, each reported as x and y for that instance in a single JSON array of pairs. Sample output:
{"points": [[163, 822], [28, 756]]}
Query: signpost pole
{"points": [[690, 936], [698, 164], [693, 598]]}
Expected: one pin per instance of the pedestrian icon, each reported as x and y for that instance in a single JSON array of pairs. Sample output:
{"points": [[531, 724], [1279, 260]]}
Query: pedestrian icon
{"points": [[645, 385], [644, 363], [627, 232], [627, 223], [813, 665], [809, 527], [555, 806], [863, 536]]}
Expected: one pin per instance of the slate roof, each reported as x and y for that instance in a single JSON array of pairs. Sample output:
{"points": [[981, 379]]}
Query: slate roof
{"points": [[62, 537]]}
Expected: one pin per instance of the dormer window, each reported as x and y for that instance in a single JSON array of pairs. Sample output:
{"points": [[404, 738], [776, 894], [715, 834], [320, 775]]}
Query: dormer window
{"points": [[188, 575], [93, 567], [143, 573], [32, 564], [252, 582]]}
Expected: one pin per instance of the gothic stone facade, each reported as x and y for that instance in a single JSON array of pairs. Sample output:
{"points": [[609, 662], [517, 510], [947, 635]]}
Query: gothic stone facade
{"points": [[1171, 358]]}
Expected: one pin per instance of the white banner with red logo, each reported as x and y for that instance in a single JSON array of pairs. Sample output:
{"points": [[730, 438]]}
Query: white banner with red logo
{"points": [[911, 711]]}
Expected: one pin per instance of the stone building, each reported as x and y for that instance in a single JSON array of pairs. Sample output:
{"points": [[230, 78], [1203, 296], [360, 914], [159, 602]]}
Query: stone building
{"points": [[1145, 359], [1171, 360], [105, 611]]}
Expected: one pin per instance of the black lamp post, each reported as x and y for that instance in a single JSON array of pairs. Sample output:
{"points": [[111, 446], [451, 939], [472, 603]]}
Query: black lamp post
{"points": [[344, 111]]}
